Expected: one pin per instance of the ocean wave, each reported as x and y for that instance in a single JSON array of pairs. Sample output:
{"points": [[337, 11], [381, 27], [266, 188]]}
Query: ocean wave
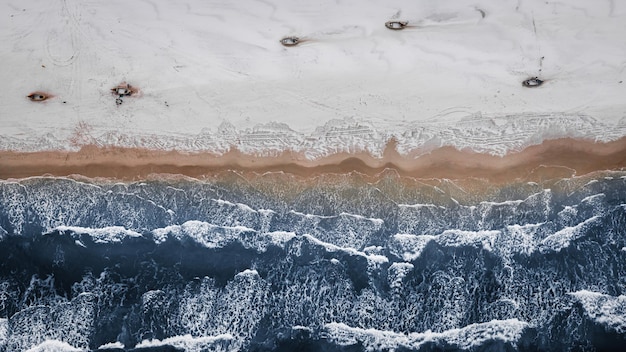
{"points": [[105, 235], [606, 310], [53, 346], [191, 343], [465, 338], [92, 262]]}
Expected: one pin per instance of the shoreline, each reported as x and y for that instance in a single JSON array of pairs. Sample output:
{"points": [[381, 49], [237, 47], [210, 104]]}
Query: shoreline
{"points": [[557, 158]]}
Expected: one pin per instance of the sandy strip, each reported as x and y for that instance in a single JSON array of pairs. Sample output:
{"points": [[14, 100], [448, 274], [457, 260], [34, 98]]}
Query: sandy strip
{"points": [[551, 159]]}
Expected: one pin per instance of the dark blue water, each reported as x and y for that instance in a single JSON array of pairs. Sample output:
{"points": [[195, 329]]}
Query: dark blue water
{"points": [[270, 263]]}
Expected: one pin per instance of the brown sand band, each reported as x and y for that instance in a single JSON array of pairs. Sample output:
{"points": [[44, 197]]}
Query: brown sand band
{"points": [[555, 158]]}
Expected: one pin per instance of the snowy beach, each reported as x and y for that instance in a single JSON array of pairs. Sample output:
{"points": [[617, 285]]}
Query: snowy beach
{"points": [[213, 75]]}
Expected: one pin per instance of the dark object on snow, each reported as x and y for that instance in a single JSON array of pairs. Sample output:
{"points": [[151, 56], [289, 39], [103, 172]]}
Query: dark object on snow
{"points": [[396, 25], [123, 90], [290, 41], [532, 82], [38, 96]]}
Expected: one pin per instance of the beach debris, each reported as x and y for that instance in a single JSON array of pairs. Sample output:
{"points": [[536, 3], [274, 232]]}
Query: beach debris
{"points": [[290, 41], [532, 82], [123, 90], [38, 96], [396, 25]]}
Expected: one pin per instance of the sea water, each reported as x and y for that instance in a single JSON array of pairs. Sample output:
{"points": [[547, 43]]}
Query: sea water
{"points": [[338, 263]]}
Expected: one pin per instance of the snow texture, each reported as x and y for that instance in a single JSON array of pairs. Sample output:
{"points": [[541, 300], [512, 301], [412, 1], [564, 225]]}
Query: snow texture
{"points": [[221, 79]]}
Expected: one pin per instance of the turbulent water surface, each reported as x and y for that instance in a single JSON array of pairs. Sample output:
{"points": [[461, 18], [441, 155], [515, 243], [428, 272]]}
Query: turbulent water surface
{"points": [[344, 263]]}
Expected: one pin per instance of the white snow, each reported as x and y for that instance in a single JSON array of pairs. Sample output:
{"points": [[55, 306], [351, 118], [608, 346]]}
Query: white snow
{"points": [[465, 338], [212, 74]]}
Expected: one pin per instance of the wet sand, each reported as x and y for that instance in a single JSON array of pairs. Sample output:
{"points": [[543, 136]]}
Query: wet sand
{"points": [[557, 158]]}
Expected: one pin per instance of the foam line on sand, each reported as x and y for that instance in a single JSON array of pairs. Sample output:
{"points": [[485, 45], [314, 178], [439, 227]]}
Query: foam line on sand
{"points": [[553, 158]]}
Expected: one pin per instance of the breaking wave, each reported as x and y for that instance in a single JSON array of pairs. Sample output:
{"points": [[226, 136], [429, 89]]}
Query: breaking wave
{"points": [[275, 264]]}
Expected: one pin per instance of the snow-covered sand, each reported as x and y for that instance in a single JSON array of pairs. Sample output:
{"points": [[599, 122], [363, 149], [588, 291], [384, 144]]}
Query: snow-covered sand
{"points": [[212, 74]]}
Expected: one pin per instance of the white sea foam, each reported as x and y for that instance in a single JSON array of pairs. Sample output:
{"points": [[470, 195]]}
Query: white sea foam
{"points": [[206, 234], [375, 221], [519, 239], [465, 338], [397, 272], [115, 344], [189, 343], [562, 238], [241, 206], [53, 346], [459, 238], [279, 238], [606, 310], [249, 272], [111, 234], [513, 239], [409, 247], [4, 331], [374, 259], [417, 206]]}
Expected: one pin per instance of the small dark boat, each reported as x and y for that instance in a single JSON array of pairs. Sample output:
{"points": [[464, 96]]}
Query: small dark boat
{"points": [[290, 41], [396, 25], [532, 82]]}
